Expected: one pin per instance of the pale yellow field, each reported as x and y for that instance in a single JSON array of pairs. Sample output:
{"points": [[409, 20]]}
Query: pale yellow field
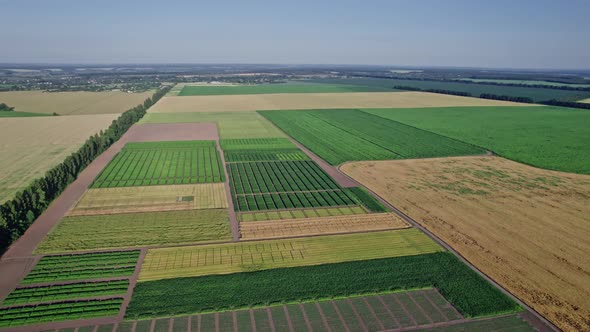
{"points": [[229, 103], [527, 228], [587, 101], [151, 198], [316, 226], [260, 255], [73, 103], [31, 146]]}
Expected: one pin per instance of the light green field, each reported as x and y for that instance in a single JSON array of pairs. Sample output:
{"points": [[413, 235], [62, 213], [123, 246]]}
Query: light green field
{"points": [[301, 213], [230, 124], [262, 255], [136, 230]]}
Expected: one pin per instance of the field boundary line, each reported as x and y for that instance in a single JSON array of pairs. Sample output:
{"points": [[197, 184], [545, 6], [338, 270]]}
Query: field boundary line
{"points": [[233, 220], [132, 282]]}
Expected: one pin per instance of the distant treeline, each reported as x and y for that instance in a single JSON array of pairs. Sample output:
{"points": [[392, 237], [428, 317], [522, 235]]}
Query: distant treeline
{"points": [[5, 108], [446, 92], [506, 98], [18, 214], [554, 102]]}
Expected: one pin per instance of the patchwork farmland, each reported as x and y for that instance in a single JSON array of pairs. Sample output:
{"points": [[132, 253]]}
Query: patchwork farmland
{"points": [[233, 220]]}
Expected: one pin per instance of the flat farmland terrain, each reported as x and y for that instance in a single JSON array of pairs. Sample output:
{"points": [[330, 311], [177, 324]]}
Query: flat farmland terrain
{"points": [[137, 230], [230, 124], [151, 198], [323, 225], [349, 134], [252, 256], [293, 101], [526, 228], [73, 103], [295, 87], [159, 163], [301, 213], [20, 114], [547, 137], [29, 147]]}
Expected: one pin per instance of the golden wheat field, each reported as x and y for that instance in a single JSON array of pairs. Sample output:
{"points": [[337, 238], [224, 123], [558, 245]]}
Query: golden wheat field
{"points": [[316, 226], [151, 198], [229, 103], [525, 227], [31, 146], [73, 103]]}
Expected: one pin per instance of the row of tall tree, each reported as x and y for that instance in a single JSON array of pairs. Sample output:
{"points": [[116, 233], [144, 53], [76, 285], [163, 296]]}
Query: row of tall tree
{"points": [[554, 102], [506, 98], [446, 92], [5, 108], [17, 214]]}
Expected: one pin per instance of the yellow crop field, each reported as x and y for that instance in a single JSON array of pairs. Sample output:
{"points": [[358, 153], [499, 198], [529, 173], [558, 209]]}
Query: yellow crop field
{"points": [[31, 146], [151, 198], [525, 227], [261, 255], [316, 226], [587, 101], [73, 103], [288, 101]]}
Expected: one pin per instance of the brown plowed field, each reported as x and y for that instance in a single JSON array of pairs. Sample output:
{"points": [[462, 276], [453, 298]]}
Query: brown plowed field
{"points": [[289, 101], [526, 228], [316, 226]]}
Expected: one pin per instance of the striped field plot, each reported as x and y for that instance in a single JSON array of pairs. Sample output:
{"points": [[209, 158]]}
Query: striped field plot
{"points": [[251, 256], [316, 226], [151, 198], [300, 213]]}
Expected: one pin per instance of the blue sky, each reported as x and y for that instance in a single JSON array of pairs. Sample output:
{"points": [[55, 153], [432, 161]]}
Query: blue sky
{"points": [[499, 33]]}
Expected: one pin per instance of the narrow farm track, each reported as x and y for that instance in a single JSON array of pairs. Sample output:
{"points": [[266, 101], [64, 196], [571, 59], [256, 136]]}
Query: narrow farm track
{"points": [[235, 225]]}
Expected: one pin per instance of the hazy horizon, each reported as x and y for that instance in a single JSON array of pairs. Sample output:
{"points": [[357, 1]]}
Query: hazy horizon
{"points": [[533, 35]]}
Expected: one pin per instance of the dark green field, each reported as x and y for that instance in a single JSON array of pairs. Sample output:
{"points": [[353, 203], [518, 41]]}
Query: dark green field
{"points": [[21, 114], [536, 94], [338, 136], [294, 87], [462, 287], [547, 137], [159, 163]]}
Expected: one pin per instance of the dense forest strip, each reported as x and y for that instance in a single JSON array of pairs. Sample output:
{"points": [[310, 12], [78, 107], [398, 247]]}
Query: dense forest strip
{"points": [[18, 214]]}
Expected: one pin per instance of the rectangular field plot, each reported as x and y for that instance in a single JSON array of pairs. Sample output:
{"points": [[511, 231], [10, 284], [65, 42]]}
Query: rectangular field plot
{"points": [[252, 256], [278, 177], [151, 198], [300, 213], [52, 293], [316, 226], [264, 155], [296, 87], [51, 312], [293, 200], [83, 266], [160, 163], [277, 143], [349, 134], [137, 229], [230, 124], [468, 292]]}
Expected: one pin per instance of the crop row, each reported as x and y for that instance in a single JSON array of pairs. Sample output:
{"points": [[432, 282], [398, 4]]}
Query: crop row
{"points": [[344, 135], [274, 177], [256, 144], [361, 195], [466, 290], [69, 310], [261, 155], [314, 199], [65, 292], [157, 166]]}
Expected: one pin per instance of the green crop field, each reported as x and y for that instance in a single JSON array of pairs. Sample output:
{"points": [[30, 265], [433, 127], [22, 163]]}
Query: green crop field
{"points": [[157, 163], [547, 137], [301, 213], [263, 255], [537, 94], [255, 144], [462, 287], [363, 197], [230, 124], [294, 87], [278, 176], [264, 155], [298, 200], [346, 135], [53, 312], [73, 291], [137, 229], [20, 114], [83, 266]]}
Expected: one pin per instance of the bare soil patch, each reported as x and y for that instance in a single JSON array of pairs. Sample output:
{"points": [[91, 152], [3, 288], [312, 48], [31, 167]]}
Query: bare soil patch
{"points": [[316, 226], [526, 228], [288, 101]]}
